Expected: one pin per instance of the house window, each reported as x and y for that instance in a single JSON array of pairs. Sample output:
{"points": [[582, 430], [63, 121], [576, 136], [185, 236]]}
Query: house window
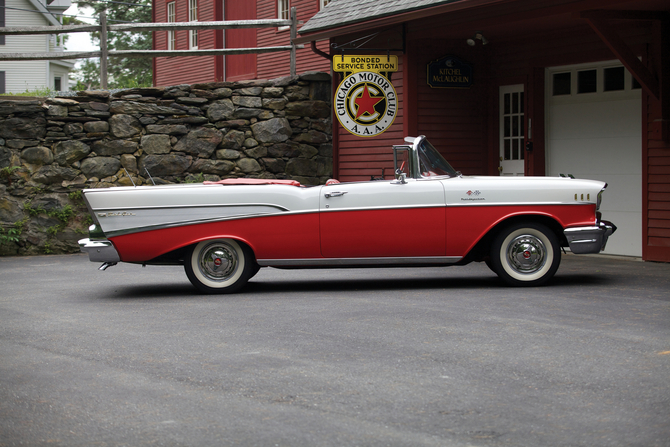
{"points": [[283, 10], [323, 3], [57, 86], [2, 82], [193, 17], [171, 18]]}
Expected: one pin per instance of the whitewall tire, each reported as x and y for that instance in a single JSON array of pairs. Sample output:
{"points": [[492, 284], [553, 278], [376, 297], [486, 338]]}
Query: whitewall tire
{"points": [[525, 254], [219, 265]]}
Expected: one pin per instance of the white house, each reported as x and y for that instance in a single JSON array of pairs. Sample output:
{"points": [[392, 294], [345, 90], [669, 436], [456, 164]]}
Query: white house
{"points": [[20, 76]]}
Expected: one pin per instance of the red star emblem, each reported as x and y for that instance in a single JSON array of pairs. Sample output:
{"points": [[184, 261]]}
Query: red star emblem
{"points": [[366, 103]]}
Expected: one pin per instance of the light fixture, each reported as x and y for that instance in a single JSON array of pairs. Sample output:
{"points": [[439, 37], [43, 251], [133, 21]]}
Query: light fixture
{"points": [[478, 36]]}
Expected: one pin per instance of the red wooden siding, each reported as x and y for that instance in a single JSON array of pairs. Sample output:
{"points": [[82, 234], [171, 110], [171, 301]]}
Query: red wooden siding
{"points": [[273, 65], [184, 70], [243, 66]]}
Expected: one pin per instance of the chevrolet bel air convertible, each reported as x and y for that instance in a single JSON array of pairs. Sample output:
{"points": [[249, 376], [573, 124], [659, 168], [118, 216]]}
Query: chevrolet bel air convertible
{"points": [[428, 215]]}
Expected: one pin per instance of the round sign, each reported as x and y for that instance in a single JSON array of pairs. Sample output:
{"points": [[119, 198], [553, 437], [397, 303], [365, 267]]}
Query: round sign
{"points": [[366, 103]]}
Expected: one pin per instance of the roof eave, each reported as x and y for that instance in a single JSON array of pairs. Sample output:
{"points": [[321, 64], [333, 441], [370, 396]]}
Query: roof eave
{"points": [[392, 20]]}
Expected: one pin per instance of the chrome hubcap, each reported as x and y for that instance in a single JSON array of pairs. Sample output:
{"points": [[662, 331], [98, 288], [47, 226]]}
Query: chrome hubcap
{"points": [[526, 254], [218, 261]]}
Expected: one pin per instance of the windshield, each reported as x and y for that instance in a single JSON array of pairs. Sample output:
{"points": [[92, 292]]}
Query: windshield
{"points": [[431, 162]]}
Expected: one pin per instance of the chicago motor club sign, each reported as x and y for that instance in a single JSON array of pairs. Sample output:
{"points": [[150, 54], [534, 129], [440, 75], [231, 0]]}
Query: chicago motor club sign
{"points": [[366, 103]]}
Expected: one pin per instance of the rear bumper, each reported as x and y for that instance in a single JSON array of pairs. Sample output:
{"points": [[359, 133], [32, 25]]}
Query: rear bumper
{"points": [[591, 239], [99, 251]]}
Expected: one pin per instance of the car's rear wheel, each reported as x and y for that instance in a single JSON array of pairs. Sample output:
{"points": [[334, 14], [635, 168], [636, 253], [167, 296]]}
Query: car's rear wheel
{"points": [[219, 265], [525, 254]]}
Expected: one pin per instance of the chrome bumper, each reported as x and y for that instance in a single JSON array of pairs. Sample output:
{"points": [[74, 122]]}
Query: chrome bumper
{"points": [[99, 251], [593, 239]]}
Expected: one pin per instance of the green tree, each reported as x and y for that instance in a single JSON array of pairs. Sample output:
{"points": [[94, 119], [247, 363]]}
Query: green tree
{"points": [[123, 72]]}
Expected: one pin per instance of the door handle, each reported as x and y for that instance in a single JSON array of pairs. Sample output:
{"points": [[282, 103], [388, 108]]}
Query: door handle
{"points": [[335, 194]]}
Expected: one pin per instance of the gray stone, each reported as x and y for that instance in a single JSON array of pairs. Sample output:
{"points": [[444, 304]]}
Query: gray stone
{"points": [[223, 92], [250, 91], [156, 144], [39, 155], [129, 162], [326, 150], [21, 127], [96, 126], [162, 165], [50, 174], [124, 126], [20, 144], [201, 142], [167, 129], [100, 167], [233, 140], [228, 154], [217, 167], [99, 106], [312, 137], [247, 101], [114, 147], [258, 152], [68, 152], [10, 210], [132, 108], [192, 101], [72, 128], [220, 110], [246, 113], [272, 92], [250, 142], [275, 130], [274, 165], [283, 150], [307, 151], [324, 166], [248, 165], [55, 110], [311, 109], [301, 166], [297, 92], [6, 157], [274, 103]]}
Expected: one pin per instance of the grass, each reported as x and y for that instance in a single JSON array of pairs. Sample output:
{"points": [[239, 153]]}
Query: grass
{"points": [[37, 92]]}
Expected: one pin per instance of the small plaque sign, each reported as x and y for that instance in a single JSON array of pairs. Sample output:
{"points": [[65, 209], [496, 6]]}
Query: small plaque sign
{"points": [[449, 72]]}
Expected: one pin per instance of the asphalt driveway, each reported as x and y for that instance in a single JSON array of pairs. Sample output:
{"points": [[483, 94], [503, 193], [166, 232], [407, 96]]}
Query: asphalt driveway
{"points": [[371, 357]]}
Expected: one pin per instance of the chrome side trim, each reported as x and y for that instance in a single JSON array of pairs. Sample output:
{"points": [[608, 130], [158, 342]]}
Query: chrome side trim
{"points": [[214, 205], [99, 251], [330, 262]]}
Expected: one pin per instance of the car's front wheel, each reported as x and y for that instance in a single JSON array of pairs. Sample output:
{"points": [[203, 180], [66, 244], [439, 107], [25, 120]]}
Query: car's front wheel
{"points": [[525, 254], [219, 265]]}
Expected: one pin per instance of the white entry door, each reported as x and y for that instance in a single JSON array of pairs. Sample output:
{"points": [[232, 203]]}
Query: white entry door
{"points": [[594, 131], [511, 130]]}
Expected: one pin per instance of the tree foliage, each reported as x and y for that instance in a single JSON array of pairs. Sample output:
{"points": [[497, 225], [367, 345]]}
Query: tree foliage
{"points": [[123, 72]]}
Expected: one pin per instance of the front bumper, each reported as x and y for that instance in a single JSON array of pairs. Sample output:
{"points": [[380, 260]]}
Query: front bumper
{"points": [[99, 250], [591, 239]]}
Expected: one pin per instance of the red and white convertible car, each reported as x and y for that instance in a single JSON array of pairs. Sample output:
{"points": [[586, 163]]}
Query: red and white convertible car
{"points": [[429, 215]]}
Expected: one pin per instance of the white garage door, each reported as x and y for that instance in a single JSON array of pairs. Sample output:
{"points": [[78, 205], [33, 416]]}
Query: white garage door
{"points": [[594, 131]]}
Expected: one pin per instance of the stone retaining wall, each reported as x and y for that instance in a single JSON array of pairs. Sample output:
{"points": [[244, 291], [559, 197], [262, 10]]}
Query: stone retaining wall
{"points": [[52, 148]]}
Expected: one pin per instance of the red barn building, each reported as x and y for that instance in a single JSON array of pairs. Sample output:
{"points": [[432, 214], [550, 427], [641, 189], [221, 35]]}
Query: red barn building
{"points": [[558, 86], [190, 70]]}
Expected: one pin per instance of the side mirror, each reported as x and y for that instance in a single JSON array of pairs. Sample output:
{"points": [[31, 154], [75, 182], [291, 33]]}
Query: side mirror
{"points": [[400, 177]]}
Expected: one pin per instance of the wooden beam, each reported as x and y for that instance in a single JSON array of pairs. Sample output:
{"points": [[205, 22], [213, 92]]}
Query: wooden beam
{"points": [[623, 52], [611, 14]]}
